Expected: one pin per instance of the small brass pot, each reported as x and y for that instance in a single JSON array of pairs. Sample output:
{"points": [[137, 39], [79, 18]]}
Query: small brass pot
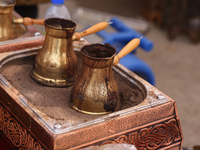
{"points": [[6, 25], [56, 62], [95, 91]]}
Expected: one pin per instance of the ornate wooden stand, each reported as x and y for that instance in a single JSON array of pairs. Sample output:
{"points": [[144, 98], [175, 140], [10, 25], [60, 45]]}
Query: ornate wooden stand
{"points": [[153, 124]]}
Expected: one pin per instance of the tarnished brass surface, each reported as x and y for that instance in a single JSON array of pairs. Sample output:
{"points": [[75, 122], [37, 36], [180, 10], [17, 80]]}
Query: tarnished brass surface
{"points": [[9, 30], [7, 6], [6, 26], [56, 62], [95, 91]]}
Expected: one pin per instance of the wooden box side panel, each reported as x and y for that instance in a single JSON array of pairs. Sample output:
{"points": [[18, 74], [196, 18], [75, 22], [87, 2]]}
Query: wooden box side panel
{"points": [[12, 125], [162, 134], [115, 127], [177, 147], [5, 144]]}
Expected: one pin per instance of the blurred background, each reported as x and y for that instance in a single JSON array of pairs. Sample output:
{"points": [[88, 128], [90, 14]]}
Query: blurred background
{"points": [[173, 26]]}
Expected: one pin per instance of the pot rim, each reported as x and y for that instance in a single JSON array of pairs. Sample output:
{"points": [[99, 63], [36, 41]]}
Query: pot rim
{"points": [[58, 28], [9, 5], [96, 58]]}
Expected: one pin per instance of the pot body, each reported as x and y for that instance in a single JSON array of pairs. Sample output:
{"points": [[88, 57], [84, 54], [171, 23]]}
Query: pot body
{"points": [[95, 91], [56, 62], [6, 25]]}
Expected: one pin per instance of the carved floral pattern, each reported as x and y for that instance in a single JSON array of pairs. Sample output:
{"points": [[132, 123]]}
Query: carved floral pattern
{"points": [[16, 133], [153, 137]]}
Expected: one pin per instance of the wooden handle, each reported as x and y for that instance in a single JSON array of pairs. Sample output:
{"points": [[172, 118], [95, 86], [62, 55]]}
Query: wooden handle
{"points": [[95, 28], [133, 44], [29, 21]]}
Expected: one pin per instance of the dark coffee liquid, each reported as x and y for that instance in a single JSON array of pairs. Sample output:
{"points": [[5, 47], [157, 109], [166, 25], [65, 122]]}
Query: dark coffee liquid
{"points": [[60, 23], [99, 50]]}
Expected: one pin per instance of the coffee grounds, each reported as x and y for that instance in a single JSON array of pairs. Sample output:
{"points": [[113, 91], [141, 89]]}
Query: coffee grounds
{"points": [[99, 50], [60, 23]]}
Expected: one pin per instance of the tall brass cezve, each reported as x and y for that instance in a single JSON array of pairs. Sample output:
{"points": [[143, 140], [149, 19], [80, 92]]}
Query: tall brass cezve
{"points": [[56, 62], [6, 25]]}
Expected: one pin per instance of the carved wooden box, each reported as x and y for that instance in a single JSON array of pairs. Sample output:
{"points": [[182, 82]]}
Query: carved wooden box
{"points": [[30, 124]]}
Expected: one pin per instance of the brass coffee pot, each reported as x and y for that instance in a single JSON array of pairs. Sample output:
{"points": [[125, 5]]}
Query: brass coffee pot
{"points": [[95, 91], [6, 25], [56, 62]]}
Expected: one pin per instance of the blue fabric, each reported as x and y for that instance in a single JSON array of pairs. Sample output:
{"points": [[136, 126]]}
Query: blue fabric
{"points": [[57, 1], [138, 66], [130, 61], [125, 33]]}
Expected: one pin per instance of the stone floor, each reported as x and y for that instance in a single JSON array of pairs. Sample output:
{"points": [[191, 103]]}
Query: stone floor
{"points": [[175, 63]]}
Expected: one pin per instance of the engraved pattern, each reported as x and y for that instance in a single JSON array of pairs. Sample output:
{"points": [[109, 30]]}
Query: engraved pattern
{"points": [[153, 137], [15, 133]]}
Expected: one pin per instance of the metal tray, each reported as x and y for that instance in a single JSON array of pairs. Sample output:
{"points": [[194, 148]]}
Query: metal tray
{"points": [[152, 96]]}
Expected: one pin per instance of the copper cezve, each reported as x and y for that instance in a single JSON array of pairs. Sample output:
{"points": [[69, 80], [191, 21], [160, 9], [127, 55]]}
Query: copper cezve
{"points": [[95, 91]]}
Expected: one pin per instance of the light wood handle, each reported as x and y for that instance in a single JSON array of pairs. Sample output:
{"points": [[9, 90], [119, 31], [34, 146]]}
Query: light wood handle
{"points": [[133, 44], [29, 21], [95, 28]]}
